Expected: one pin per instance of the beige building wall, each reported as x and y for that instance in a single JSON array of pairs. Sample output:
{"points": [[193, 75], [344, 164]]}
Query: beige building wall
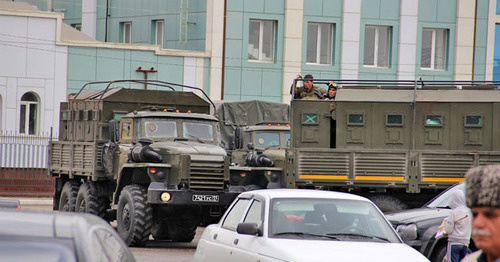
{"points": [[464, 45], [292, 50]]}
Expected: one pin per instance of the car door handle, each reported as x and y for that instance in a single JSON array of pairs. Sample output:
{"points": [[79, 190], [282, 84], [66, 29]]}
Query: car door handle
{"points": [[235, 241], [214, 236]]}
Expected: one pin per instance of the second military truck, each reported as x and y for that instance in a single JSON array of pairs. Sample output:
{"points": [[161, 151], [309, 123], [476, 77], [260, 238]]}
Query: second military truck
{"points": [[155, 155]]}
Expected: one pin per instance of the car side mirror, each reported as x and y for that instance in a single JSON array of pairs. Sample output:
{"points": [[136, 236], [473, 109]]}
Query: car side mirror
{"points": [[249, 229], [407, 232]]}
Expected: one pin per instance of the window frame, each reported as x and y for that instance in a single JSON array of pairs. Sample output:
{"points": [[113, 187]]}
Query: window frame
{"points": [[441, 117], [472, 125], [159, 24], [318, 46], [261, 40], [27, 105], [376, 49], [127, 27], [446, 39], [349, 123]]}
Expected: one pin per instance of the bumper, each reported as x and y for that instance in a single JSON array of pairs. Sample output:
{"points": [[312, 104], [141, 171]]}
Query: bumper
{"points": [[190, 197]]}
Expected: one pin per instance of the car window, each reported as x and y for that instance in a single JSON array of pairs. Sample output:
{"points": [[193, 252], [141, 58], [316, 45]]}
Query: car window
{"points": [[35, 249], [235, 215], [109, 248], [337, 217], [443, 199], [254, 214]]}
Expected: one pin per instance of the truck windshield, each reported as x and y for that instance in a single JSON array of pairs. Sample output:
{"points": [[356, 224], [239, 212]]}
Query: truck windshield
{"points": [[267, 139], [160, 128], [203, 131]]}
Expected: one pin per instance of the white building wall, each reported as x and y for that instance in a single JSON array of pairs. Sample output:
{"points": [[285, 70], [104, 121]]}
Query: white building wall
{"points": [[31, 62], [407, 56], [89, 17], [351, 26]]}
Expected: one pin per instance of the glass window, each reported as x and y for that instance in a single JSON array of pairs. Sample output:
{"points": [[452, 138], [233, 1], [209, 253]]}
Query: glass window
{"points": [[473, 121], [434, 49], [235, 216], [356, 119], [309, 118], [319, 43], [159, 32], [29, 114], [316, 218], [267, 139], [160, 129], [377, 44], [394, 120], [255, 213], [127, 32], [433, 120], [261, 40], [198, 131], [77, 26]]}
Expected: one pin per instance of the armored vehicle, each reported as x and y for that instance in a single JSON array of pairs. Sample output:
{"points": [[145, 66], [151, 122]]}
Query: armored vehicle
{"points": [[149, 158], [257, 133], [396, 142]]}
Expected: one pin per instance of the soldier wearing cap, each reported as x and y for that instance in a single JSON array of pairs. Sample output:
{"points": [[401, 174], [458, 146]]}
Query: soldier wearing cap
{"points": [[309, 90], [482, 187]]}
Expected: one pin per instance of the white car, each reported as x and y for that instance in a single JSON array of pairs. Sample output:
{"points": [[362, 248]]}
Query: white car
{"points": [[302, 225]]}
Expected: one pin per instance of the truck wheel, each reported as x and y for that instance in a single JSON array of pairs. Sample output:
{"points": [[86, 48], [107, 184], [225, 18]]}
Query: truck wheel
{"points": [[388, 203], [182, 227], [87, 201], [69, 193], [134, 215], [159, 231]]}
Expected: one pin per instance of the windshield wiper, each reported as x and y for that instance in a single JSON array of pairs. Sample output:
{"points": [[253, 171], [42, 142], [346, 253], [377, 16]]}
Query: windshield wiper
{"points": [[305, 234], [180, 139], [358, 235], [195, 137]]}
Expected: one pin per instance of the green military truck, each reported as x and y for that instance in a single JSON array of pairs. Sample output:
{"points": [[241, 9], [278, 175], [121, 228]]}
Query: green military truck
{"points": [[396, 142], [256, 134], [149, 158]]}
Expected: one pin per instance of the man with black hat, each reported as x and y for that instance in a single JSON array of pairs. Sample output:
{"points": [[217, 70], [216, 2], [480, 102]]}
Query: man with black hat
{"points": [[309, 90], [482, 187]]}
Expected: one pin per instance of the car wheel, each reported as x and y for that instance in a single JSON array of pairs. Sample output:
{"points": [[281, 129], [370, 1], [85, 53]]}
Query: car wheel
{"points": [[69, 193], [134, 215], [388, 203], [439, 253], [87, 201]]}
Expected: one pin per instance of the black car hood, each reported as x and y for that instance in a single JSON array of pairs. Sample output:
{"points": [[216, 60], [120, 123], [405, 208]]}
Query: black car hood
{"points": [[417, 215]]}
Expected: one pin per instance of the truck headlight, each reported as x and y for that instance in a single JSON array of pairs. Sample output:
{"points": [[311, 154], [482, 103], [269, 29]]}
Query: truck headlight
{"points": [[407, 232]]}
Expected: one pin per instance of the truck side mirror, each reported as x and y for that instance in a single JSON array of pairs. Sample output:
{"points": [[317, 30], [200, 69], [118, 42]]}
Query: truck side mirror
{"points": [[114, 131], [238, 138], [230, 143]]}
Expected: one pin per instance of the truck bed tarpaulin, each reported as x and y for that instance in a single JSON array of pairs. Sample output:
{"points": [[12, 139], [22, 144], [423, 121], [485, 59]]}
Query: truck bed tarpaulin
{"points": [[247, 113]]}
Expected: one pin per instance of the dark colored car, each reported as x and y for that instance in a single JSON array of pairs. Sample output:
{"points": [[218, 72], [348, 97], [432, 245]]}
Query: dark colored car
{"points": [[418, 227], [57, 236], [10, 203]]}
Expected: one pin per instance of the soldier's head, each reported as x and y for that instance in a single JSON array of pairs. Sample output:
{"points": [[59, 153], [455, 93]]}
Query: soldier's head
{"points": [[308, 82], [482, 188], [332, 90]]}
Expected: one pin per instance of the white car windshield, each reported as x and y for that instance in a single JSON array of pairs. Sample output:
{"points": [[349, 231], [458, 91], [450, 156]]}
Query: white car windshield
{"points": [[443, 199], [339, 219]]}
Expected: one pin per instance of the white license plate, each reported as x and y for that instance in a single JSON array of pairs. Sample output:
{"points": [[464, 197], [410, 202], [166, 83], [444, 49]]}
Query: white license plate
{"points": [[205, 198]]}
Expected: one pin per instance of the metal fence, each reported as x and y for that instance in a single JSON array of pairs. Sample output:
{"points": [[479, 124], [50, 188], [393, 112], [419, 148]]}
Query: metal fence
{"points": [[24, 151]]}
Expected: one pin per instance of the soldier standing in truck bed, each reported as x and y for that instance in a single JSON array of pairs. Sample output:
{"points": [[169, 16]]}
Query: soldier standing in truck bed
{"points": [[309, 90]]}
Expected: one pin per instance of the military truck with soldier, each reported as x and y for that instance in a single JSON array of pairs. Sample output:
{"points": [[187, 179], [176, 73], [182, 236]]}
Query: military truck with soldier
{"points": [[397, 142], [149, 158], [255, 134]]}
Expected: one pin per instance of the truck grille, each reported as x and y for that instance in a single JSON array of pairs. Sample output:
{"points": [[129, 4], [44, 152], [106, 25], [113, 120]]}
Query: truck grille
{"points": [[207, 175], [445, 165]]}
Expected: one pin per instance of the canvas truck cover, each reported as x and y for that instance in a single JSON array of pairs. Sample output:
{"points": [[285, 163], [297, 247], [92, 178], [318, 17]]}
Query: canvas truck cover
{"points": [[232, 114]]}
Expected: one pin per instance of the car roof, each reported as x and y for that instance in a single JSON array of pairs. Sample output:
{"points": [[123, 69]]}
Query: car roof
{"points": [[301, 193], [46, 224]]}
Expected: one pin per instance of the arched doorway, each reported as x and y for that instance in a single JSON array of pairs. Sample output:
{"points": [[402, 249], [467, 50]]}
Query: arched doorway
{"points": [[28, 123]]}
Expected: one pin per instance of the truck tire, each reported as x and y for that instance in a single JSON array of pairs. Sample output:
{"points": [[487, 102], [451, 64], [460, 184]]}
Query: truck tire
{"points": [[388, 203], [159, 231], [87, 200], [69, 193], [134, 215]]}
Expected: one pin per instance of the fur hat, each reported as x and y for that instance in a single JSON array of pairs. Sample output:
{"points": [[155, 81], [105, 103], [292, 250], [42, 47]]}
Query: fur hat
{"points": [[482, 186]]}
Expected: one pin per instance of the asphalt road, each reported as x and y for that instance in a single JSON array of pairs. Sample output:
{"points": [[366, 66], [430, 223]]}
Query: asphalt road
{"points": [[154, 250]]}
